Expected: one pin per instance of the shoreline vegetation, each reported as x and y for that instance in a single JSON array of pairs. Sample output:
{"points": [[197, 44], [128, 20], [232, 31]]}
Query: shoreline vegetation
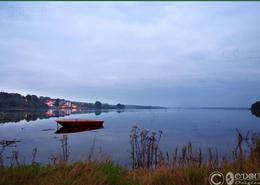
{"points": [[255, 109], [186, 166], [15, 101], [14, 107]]}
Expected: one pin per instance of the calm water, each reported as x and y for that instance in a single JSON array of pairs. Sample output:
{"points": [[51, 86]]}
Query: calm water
{"points": [[214, 128]]}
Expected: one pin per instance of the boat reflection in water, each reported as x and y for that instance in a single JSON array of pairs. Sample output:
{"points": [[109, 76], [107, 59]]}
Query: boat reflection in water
{"points": [[66, 130]]}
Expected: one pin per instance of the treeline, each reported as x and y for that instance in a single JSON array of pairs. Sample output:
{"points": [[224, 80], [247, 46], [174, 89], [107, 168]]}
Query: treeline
{"points": [[255, 108], [143, 107], [20, 102], [98, 105], [17, 101]]}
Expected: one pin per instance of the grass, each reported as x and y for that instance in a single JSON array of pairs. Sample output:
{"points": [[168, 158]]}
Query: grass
{"points": [[107, 173], [187, 175], [150, 166], [79, 173]]}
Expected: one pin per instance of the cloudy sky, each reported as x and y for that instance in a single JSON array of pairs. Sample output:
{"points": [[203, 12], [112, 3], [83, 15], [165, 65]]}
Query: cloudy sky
{"points": [[168, 54]]}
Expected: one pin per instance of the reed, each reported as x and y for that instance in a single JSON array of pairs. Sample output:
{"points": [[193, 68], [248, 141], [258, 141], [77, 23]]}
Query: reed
{"points": [[145, 148], [186, 166]]}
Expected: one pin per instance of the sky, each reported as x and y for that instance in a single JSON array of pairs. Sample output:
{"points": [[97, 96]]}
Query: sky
{"points": [[177, 54]]}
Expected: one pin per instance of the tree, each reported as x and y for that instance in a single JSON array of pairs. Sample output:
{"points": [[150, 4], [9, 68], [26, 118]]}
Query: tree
{"points": [[255, 109], [98, 105], [57, 102], [120, 106]]}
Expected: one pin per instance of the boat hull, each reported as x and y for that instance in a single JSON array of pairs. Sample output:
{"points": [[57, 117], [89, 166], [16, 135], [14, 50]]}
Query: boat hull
{"points": [[67, 130], [78, 123]]}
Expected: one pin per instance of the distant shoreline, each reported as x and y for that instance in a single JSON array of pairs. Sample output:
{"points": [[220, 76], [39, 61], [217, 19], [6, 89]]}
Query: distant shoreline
{"points": [[15, 101], [213, 108], [126, 108]]}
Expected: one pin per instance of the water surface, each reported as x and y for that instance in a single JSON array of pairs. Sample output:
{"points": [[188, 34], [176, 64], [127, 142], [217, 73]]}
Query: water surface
{"points": [[204, 128]]}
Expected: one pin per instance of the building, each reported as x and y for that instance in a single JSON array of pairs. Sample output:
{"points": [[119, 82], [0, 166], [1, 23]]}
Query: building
{"points": [[50, 102], [73, 106], [64, 104]]}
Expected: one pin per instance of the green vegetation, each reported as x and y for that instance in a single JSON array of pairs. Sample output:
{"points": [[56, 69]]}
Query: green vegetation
{"points": [[188, 168], [17, 101], [120, 106], [98, 105], [77, 174], [107, 173], [255, 108]]}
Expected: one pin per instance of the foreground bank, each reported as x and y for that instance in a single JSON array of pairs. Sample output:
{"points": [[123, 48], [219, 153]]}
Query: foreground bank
{"points": [[189, 168], [107, 173]]}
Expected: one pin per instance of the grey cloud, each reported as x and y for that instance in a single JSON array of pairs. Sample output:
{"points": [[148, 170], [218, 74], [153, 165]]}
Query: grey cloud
{"points": [[151, 53]]}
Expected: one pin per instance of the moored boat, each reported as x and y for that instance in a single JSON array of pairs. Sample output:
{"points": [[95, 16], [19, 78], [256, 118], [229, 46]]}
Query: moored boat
{"points": [[67, 130], [79, 122]]}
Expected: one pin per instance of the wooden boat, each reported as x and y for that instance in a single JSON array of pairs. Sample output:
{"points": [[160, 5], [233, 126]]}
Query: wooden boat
{"points": [[67, 130], [79, 122]]}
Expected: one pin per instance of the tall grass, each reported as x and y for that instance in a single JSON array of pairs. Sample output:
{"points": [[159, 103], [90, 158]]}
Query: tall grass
{"points": [[186, 166], [145, 148]]}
